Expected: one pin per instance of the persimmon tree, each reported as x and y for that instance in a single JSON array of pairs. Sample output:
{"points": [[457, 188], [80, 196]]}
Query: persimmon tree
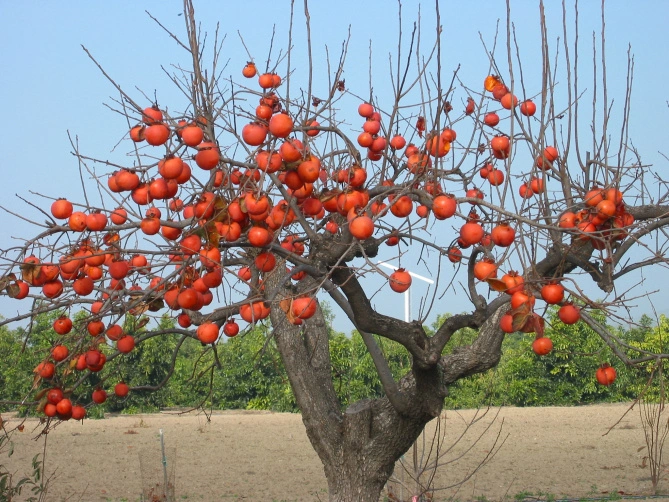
{"points": [[262, 195]]}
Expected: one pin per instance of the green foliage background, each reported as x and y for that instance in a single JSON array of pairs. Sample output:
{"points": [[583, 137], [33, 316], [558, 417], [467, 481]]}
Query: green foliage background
{"points": [[246, 372]]}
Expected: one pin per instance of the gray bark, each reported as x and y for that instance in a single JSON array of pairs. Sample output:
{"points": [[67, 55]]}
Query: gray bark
{"points": [[360, 445]]}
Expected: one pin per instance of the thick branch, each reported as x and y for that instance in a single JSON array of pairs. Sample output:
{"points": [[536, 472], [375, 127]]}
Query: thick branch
{"points": [[411, 335], [390, 388], [478, 357]]}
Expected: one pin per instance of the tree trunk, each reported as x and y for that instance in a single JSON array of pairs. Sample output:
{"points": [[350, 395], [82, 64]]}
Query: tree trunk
{"points": [[374, 438], [359, 447]]}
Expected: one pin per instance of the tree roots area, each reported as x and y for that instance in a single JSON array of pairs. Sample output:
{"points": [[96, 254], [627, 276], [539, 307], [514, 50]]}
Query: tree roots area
{"points": [[549, 453]]}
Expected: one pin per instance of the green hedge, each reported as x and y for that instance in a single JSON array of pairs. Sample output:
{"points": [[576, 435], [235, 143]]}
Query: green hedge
{"points": [[246, 372]]}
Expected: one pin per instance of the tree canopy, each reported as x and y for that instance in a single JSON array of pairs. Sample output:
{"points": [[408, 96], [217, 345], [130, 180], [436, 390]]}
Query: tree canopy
{"points": [[263, 192]]}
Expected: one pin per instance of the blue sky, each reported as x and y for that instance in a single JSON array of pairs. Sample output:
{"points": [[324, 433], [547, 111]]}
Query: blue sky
{"points": [[49, 86]]}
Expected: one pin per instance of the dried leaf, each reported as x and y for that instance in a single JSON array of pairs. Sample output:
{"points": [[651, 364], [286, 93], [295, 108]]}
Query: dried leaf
{"points": [[420, 126], [220, 204], [36, 381], [156, 305], [111, 238], [213, 237], [12, 290], [139, 309], [220, 215], [496, 284], [142, 322], [30, 272], [469, 109], [327, 195], [520, 319], [41, 393], [286, 305], [7, 280], [539, 324], [524, 308], [242, 204], [41, 405], [291, 318]]}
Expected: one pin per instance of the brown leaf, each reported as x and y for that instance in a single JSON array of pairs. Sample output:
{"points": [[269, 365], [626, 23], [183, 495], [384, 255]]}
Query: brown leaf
{"points": [[213, 237], [12, 289], [496, 284], [523, 308], [286, 305], [111, 239], [8, 279], [539, 324], [291, 318], [36, 381], [41, 394], [327, 195], [469, 109], [420, 126], [139, 309], [142, 322], [41, 405], [220, 204], [30, 271], [156, 304], [520, 319], [220, 215], [242, 204]]}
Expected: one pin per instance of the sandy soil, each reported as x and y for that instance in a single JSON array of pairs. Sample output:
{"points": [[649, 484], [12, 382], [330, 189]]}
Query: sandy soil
{"points": [[261, 456]]}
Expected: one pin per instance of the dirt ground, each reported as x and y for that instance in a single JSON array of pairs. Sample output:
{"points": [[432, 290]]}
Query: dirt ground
{"points": [[262, 456]]}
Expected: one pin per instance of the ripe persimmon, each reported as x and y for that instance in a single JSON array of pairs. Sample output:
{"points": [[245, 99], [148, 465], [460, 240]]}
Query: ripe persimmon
{"points": [[192, 135], [157, 134], [254, 133], [400, 280], [250, 70], [61, 209]]}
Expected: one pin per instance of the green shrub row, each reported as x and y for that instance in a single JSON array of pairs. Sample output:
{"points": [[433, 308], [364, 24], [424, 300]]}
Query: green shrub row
{"points": [[246, 372]]}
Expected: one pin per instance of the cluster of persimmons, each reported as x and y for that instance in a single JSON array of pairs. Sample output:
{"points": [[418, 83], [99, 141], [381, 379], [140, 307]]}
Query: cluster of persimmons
{"points": [[284, 193]]}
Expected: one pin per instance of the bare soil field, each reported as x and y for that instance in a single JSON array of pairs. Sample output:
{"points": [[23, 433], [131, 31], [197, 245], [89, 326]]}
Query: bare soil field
{"points": [[554, 452]]}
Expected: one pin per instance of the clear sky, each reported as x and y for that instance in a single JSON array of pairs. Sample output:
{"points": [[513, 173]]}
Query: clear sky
{"points": [[49, 86]]}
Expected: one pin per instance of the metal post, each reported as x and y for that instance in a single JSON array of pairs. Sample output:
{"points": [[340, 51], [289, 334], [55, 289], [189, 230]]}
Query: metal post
{"points": [[407, 318], [407, 293], [162, 449]]}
